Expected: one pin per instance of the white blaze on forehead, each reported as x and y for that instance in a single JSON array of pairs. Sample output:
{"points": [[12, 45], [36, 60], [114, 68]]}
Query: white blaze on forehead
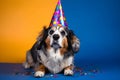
{"points": [[57, 28], [57, 31]]}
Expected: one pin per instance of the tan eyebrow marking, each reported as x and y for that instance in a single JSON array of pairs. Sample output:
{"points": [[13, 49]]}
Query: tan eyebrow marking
{"points": [[54, 28]]}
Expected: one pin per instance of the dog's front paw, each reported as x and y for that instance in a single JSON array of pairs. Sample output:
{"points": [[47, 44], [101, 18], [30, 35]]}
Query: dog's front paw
{"points": [[68, 72], [39, 74]]}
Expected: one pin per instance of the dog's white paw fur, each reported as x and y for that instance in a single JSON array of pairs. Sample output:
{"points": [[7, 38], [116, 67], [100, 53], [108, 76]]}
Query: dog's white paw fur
{"points": [[68, 72], [26, 65], [39, 74]]}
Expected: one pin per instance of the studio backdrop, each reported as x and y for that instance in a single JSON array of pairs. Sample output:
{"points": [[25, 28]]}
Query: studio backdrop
{"points": [[95, 22]]}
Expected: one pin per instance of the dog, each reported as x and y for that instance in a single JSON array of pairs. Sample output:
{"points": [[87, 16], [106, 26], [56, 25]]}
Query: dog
{"points": [[53, 51]]}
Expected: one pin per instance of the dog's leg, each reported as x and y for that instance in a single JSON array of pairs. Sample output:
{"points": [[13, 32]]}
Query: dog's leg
{"points": [[39, 71], [29, 61], [68, 70]]}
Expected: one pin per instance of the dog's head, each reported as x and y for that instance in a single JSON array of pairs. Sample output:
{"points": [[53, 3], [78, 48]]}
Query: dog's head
{"points": [[56, 37]]}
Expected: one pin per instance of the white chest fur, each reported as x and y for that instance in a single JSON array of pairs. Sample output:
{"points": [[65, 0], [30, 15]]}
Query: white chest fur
{"points": [[55, 55], [54, 61]]}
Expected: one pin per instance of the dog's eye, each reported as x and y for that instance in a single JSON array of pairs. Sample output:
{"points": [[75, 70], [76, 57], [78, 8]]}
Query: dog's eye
{"points": [[51, 32], [63, 32]]}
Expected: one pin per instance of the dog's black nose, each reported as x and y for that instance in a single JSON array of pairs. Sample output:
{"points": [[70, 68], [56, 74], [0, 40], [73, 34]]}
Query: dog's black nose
{"points": [[55, 36]]}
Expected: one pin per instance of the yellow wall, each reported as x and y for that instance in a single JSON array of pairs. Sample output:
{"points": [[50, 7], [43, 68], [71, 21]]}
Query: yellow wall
{"points": [[20, 23]]}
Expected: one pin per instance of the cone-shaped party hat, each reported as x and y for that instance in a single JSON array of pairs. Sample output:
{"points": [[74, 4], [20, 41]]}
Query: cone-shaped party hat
{"points": [[58, 18]]}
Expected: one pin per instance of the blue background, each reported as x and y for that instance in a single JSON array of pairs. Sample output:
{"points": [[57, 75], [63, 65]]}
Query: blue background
{"points": [[97, 25]]}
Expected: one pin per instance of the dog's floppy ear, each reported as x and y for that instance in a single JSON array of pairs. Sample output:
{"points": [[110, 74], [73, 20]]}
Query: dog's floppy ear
{"points": [[38, 44], [69, 38], [42, 37], [73, 41]]}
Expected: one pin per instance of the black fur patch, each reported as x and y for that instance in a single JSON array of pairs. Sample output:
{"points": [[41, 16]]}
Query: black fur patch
{"points": [[69, 38], [45, 34], [39, 45]]}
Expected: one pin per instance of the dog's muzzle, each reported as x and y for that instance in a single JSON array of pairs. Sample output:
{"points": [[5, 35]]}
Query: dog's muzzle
{"points": [[55, 41], [55, 45]]}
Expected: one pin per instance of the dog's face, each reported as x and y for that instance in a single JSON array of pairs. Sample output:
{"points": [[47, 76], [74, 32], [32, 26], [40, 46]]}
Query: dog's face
{"points": [[57, 37]]}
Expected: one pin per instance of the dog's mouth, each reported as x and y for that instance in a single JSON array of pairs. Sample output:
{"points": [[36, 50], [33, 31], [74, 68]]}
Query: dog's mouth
{"points": [[55, 45]]}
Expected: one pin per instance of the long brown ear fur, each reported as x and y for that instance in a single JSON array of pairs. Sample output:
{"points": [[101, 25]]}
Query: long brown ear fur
{"points": [[39, 43], [43, 35], [71, 39]]}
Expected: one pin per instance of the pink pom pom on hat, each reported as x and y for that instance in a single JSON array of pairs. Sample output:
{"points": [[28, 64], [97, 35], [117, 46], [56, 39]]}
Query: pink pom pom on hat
{"points": [[58, 18]]}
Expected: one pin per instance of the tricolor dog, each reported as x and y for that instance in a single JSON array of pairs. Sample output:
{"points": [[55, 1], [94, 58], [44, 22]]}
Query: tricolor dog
{"points": [[53, 51]]}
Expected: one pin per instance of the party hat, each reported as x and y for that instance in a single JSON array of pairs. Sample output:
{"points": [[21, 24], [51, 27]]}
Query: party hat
{"points": [[58, 18]]}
